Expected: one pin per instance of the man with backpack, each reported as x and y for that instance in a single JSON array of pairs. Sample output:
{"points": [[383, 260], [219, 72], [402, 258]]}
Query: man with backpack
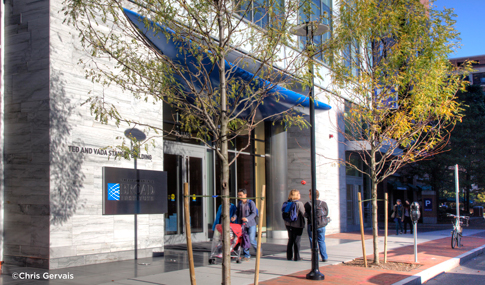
{"points": [[246, 214], [322, 220]]}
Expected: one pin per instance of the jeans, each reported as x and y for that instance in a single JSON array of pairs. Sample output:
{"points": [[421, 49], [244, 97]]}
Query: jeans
{"points": [[293, 246], [252, 238], [398, 222], [320, 239]]}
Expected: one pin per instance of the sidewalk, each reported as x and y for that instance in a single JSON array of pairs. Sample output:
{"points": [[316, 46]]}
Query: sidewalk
{"points": [[433, 249], [432, 256]]}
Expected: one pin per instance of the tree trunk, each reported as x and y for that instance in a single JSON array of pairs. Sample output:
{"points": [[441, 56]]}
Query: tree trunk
{"points": [[375, 221], [225, 219], [226, 237]]}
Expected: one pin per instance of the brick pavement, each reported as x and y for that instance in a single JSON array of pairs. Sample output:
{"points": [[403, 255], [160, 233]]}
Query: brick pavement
{"points": [[429, 254]]}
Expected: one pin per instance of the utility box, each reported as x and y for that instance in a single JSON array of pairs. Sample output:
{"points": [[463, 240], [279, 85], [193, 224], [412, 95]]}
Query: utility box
{"points": [[478, 211]]}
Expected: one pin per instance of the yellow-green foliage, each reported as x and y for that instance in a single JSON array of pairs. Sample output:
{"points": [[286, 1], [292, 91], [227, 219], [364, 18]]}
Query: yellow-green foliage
{"points": [[403, 93]]}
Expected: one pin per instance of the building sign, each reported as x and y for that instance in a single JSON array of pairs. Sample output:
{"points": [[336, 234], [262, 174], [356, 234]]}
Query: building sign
{"points": [[103, 152], [129, 191], [428, 205]]}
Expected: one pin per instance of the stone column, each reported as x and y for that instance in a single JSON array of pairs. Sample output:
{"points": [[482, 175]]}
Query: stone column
{"points": [[276, 171]]}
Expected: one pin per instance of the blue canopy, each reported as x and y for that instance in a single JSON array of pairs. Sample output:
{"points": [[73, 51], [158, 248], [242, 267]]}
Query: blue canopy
{"points": [[181, 53]]}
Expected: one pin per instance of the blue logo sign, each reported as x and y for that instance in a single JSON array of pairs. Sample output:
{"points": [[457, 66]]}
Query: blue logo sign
{"points": [[114, 191]]}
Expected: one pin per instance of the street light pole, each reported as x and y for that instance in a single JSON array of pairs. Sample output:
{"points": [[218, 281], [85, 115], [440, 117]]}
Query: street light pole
{"points": [[134, 133], [310, 29]]}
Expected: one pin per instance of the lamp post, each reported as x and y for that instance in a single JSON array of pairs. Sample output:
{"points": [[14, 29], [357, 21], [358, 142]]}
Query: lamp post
{"points": [[308, 30], [134, 133]]}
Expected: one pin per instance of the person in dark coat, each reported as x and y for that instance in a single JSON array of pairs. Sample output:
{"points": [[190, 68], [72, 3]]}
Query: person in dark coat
{"points": [[320, 231], [295, 229], [407, 217], [398, 216]]}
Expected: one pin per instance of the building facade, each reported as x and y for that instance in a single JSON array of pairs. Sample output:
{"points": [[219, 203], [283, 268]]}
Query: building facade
{"points": [[477, 77], [54, 152]]}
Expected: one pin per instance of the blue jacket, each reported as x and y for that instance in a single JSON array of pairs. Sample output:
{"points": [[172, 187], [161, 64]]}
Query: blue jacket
{"points": [[232, 212], [249, 214]]}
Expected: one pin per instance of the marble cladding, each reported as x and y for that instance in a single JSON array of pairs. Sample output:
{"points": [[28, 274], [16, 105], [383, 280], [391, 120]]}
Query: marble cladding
{"points": [[26, 142], [330, 172], [82, 235], [53, 197]]}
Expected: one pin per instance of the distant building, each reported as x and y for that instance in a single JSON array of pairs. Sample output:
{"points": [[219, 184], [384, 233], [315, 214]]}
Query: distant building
{"points": [[477, 77]]}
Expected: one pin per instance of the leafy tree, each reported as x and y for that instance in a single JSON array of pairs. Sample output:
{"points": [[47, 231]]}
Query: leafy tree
{"points": [[208, 32], [463, 149], [480, 197], [389, 61]]}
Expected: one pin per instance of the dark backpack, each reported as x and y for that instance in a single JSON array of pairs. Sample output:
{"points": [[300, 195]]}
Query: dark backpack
{"points": [[290, 213], [322, 216]]}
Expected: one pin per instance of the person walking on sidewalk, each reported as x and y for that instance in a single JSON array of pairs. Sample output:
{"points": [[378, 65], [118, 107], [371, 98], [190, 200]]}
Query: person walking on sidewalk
{"points": [[295, 227], [321, 206], [407, 217], [398, 216], [246, 214]]}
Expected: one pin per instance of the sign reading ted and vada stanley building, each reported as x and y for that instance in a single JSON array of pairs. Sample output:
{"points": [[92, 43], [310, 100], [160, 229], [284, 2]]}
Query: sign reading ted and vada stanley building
{"points": [[129, 191]]}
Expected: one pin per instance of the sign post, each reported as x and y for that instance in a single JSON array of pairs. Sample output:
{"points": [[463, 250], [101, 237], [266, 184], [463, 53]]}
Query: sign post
{"points": [[457, 190]]}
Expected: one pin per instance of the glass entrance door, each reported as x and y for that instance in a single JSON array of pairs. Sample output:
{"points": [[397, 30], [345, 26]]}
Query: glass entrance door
{"points": [[184, 164], [173, 222], [195, 179]]}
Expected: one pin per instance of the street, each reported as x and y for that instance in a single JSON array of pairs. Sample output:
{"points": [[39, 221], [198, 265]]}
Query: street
{"points": [[471, 272]]}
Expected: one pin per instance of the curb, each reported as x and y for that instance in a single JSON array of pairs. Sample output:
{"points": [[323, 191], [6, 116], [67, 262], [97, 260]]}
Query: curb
{"points": [[431, 272]]}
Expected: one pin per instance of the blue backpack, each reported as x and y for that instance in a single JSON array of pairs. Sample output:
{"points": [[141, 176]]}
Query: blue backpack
{"points": [[290, 213]]}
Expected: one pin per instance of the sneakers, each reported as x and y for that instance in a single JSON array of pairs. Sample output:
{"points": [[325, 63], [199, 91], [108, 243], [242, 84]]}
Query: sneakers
{"points": [[246, 259]]}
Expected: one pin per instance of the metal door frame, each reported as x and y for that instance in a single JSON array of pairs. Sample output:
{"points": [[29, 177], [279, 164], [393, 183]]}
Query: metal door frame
{"points": [[186, 151]]}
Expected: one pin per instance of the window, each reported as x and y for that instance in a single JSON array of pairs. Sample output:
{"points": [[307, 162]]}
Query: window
{"points": [[355, 160], [353, 124], [316, 10], [257, 11], [352, 61], [479, 78]]}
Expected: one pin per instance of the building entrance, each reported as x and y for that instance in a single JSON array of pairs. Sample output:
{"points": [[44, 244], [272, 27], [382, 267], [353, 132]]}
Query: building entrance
{"points": [[185, 164]]}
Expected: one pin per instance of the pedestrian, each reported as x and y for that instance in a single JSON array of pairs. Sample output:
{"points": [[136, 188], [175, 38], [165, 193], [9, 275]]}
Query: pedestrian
{"points": [[398, 216], [321, 206], [246, 214], [295, 228], [232, 212], [407, 217]]}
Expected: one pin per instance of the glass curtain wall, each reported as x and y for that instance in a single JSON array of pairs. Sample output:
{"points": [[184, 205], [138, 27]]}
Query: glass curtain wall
{"points": [[257, 12], [248, 171]]}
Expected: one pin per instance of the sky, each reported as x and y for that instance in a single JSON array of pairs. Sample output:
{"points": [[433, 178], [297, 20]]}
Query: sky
{"points": [[470, 22]]}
